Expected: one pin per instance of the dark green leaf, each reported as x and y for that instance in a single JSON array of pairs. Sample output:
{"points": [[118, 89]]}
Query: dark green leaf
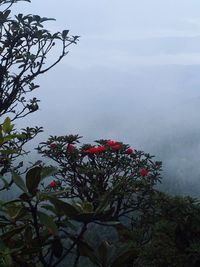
{"points": [[48, 171], [7, 13], [65, 33], [57, 247], [87, 251], [11, 233], [67, 208], [48, 222], [33, 178], [19, 182]]}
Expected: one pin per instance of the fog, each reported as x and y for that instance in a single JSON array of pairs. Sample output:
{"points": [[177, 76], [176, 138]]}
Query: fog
{"points": [[133, 77]]}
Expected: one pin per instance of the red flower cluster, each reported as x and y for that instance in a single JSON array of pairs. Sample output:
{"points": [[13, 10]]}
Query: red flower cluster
{"points": [[101, 149], [129, 151], [70, 147], [111, 143], [53, 184], [96, 150], [144, 172], [114, 145], [53, 145]]}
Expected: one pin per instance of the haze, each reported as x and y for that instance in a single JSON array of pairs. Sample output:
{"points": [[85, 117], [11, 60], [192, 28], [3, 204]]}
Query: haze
{"points": [[134, 77]]}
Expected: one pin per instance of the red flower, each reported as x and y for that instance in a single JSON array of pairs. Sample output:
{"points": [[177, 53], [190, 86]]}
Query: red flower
{"points": [[117, 147], [101, 149], [92, 150], [111, 143], [144, 172], [53, 145], [96, 150], [129, 151], [53, 184], [114, 145], [70, 147]]}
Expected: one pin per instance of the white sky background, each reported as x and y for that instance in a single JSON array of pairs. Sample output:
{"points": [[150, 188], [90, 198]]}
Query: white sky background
{"points": [[134, 76], [127, 32]]}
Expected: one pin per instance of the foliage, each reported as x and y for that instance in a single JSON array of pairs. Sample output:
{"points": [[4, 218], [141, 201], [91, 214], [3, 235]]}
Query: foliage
{"points": [[95, 174], [24, 47], [11, 147], [101, 205], [173, 233], [94, 188]]}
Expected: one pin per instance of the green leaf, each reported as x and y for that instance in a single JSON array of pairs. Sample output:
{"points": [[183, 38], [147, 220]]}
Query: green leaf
{"points": [[14, 210], [19, 182], [9, 137], [57, 247], [48, 222], [7, 13], [47, 195], [50, 208], [46, 19], [65, 33], [87, 207], [33, 178], [48, 171], [6, 257], [7, 126], [106, 198], [67, 208], [6, 184], [11, 233], [87, 251], [72, 212], [8, 151]]}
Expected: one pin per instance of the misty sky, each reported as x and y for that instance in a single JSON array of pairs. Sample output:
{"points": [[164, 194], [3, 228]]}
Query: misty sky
{"points": [[128, 32], [134, 76]]}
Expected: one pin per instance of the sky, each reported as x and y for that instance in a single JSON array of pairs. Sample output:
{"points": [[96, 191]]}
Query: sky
{"points": [[128, 32], [134, 77]]}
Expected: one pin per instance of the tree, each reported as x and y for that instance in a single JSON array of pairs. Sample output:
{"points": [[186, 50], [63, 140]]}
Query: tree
{"points": [[107, 187], [25, 45], [24, 48]]}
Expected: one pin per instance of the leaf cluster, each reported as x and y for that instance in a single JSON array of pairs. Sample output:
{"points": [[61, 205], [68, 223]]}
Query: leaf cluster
{"points": [[24, 47], [95, 189]]}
